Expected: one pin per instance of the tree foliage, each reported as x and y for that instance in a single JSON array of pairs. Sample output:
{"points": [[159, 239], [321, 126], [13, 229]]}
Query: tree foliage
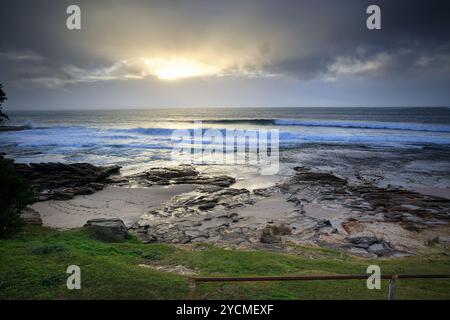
{"points": [[3, 116], [15, 195]]}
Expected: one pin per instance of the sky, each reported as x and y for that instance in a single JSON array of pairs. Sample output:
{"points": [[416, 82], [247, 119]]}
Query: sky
{"points": [[246, 53]]}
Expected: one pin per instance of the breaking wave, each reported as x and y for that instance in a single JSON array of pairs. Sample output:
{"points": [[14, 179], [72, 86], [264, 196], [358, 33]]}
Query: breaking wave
{"points": [[337, 124]]}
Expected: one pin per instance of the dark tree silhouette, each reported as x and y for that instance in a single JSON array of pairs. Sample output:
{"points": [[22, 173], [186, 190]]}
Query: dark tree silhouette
{"points": [[3, 116]]}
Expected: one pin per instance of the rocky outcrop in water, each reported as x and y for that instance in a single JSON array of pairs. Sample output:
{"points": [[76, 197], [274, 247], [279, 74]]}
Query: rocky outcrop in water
{"points": [[182, 174], [58, 181]]}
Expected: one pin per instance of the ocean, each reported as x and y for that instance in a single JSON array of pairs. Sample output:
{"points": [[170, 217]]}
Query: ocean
{"points": [[136, 139]]}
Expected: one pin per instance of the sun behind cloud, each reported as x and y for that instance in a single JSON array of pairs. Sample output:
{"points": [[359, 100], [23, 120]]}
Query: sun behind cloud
{"points": [[175, 68]]}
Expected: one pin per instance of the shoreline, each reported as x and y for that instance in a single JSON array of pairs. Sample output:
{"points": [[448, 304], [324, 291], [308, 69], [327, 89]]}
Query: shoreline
{"points": [[180, 205]]}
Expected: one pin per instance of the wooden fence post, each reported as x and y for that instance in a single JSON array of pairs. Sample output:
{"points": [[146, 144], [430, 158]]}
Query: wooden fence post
{"points": [[192, 289], [392, 288]]}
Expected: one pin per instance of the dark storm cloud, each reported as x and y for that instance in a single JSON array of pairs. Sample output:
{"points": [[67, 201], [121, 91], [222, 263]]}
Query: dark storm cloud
{"points": [[323, 40], [414, 37]]}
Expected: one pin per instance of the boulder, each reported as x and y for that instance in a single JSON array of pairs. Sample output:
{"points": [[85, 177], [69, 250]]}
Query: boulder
{"points": [[273, 233], [362, 241], [381, 249], [268, 237], [109, 230]]}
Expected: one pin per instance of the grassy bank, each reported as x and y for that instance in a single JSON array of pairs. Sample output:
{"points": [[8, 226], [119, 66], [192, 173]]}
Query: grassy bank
{"points": [[34, 261]]}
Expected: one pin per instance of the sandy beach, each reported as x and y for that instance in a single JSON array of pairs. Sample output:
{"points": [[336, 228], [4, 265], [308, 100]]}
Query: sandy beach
{"points": [[125, 203]]}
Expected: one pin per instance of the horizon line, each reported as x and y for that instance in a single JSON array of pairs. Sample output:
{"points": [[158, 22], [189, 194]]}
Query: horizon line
{"points": [[217, 107]]}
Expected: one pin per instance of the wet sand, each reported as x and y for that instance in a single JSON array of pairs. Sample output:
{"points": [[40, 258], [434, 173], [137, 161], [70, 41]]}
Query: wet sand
{"points": [[124, 203]]}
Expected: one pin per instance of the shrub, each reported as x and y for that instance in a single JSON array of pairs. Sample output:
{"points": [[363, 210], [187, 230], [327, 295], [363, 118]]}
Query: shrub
{"points": [[15, 195], [3, 116]]}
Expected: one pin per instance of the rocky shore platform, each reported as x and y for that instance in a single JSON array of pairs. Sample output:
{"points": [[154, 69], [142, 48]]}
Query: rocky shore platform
{"points": [[307, 208]]}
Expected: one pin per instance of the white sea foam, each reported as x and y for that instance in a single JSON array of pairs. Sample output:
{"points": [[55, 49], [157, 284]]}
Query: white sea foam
{"points": [[364, 125], [116, 142]]}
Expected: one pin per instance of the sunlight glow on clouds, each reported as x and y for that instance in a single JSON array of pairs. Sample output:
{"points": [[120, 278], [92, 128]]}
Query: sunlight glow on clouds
{"points": [[349, 66], [170, 68], [237, 53], [178, 68]]}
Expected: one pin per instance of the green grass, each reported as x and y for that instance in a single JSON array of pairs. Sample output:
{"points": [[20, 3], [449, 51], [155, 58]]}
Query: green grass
{"points": [[34, 261]]}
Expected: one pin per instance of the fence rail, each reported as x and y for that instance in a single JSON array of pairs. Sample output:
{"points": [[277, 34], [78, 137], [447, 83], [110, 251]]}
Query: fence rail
{"points": [[392, 280]]}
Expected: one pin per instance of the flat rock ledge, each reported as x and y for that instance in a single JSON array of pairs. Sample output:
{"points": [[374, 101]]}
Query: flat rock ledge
{"points": [[182, 174]]}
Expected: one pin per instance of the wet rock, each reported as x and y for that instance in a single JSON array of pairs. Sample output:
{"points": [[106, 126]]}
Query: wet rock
{"points": [[375, 248], [183, 174], [361, 252], [393, 216], [263, 192], [199, 202], [221, 181], [381, 249], [208, 188], [371, 244], [60, 181], [306, 175], [368, 204], [207, 206], [442, 240], [232, 192], [159, 175], [109, 230], [359, 215], [362, 241]]}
